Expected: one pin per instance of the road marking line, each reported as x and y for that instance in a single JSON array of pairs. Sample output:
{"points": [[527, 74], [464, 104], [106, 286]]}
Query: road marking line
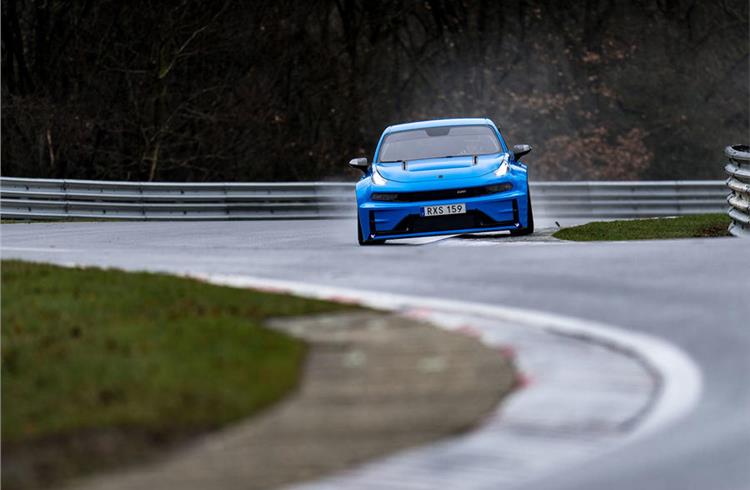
{"points": [[37, 249]]}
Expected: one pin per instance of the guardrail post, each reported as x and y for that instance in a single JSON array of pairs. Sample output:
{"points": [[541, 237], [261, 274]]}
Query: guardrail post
{"points": [[64, 189], [738, 182]]}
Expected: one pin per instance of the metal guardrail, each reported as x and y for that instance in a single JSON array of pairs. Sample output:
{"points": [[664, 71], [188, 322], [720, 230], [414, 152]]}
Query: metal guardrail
{"points": [[52, 199], [738, 182], [22, 198]]}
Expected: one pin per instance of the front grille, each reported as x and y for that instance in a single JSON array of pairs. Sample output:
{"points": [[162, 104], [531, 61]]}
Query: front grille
{"points": [[473, 219], [441, 195]]}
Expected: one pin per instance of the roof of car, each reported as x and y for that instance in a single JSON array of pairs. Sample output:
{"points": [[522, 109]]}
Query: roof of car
{"points": [[461, 121]]}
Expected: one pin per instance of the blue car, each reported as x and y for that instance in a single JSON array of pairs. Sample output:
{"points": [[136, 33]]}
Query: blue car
{"points": [[442, 177]]}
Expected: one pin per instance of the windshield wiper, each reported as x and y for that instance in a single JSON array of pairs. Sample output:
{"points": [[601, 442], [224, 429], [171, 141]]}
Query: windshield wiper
{"points": [[402, 162]]}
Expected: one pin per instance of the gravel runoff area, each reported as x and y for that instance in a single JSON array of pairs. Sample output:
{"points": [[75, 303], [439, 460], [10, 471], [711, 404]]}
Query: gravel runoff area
{"points": [[374, 383]]}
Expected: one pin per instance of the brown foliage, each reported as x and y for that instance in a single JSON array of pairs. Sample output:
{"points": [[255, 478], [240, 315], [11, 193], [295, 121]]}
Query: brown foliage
{"points": [[596, 155], [283, 90]]}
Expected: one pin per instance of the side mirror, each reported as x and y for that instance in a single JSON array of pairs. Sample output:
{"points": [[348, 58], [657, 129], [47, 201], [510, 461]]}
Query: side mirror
{"points": [[520, 150], [359, 164]]}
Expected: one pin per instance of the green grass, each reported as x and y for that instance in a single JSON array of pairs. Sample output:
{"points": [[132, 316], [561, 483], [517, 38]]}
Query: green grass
{"points": [[87, 350], [695, 226]]}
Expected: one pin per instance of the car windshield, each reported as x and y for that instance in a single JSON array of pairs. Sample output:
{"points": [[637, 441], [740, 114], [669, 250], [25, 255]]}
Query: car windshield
{"points": [[437, 142]]}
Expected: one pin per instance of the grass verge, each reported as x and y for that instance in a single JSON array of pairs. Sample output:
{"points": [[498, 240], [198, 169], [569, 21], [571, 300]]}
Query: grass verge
{"points": [[694, 226], [103, 366]]}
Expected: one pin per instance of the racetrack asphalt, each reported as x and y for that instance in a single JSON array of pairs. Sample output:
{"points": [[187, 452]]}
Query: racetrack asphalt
{"points": [[690, 292]]}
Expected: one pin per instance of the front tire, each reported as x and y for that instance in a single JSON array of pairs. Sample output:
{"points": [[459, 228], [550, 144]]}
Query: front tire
{"points": [[528, 230], [360, 234]]}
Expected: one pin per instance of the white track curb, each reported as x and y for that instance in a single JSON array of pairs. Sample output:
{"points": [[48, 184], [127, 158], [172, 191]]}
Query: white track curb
{"points": [[680, 378]]}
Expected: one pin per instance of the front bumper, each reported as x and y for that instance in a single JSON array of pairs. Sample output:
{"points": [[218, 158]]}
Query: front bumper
{"points": [[495, 212]]}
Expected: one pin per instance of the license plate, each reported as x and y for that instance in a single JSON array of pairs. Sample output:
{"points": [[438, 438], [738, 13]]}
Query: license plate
{"points": [[444, 209]]}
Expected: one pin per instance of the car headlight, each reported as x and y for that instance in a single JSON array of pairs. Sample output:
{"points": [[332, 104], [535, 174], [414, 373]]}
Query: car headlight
{"points": [[504, 166], [377, 179]]}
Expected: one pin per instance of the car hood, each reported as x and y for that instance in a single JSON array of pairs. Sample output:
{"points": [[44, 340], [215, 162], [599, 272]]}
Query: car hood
{"points": [[449, 168]]}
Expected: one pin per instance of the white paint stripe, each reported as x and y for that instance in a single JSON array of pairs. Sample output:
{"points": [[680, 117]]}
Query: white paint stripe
{"points": [[681, 379], [36, 249]]}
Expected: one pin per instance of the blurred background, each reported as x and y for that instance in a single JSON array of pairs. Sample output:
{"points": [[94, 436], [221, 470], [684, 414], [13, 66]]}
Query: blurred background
{"points": [[290, 90]]}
